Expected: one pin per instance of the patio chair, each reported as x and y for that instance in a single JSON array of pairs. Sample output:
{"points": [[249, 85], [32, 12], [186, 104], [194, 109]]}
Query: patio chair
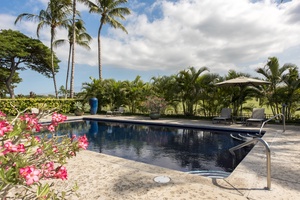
{"points": [[42, 112], [258, 115], [120, 110], [224, 116]]}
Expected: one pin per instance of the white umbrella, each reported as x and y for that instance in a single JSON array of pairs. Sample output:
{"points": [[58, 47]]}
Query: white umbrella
{"points": [[243, 81]]}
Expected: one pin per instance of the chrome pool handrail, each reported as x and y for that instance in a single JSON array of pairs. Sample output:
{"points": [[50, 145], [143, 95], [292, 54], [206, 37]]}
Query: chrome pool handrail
{"points": [[263, 124], [268, 154]]}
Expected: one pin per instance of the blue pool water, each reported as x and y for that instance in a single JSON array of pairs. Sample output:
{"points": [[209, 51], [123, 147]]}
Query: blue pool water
{"points": [[182, 149]]}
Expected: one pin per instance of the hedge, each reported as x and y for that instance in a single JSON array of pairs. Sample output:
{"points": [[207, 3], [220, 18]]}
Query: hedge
{"points": [[12, 106]]}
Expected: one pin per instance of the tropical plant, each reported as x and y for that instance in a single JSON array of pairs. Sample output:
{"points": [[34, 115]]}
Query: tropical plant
{"points": [[81, 107], [291, 91], [55, 15], [99, 89], [135, 93], [167, 87], [109, 10], [28, 156], [190, 85], [155, 104], [19, 52], [273, 73], [210, 100]]}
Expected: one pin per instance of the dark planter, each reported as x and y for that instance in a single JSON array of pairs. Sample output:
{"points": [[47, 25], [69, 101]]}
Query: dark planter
{"points": [[94, 105], [78, 112], [154, 115]]}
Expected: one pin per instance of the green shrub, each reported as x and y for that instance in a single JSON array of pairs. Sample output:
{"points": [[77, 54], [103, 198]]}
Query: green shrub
{"points": [[10, 106]]}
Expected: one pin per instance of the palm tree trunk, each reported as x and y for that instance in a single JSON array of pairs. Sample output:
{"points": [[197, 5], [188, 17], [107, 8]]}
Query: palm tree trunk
{"points": [[68, 71], [72, 74], [52, 63], [99, 52], [73, 52]]}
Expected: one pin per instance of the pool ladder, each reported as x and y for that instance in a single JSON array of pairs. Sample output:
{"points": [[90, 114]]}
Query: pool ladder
{"points": [[268, 151], [268, 154], [263, 124]]}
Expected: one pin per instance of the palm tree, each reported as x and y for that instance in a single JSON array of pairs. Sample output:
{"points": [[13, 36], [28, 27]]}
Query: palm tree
{"points": [[190, 87], [109, 10], [56, 15], [86, 2], [167, 88], [291, 92], [273, 73], [135, 93], [82, 39]]}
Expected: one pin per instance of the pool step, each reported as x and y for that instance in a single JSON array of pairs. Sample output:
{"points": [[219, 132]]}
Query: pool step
{"points": [[211, 173]]}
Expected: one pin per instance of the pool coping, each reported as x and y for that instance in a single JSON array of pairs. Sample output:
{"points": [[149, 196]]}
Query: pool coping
{"points": [[159, 123]]}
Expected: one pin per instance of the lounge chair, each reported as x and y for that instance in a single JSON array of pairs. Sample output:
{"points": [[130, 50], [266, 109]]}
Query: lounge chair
{"points": [[224, 116], [42, 112], [258, 115], [35, 111], [120, 110]]}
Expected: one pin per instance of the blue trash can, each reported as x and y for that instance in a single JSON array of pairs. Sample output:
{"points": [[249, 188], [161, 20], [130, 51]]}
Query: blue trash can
{"points": [[94, 105]]}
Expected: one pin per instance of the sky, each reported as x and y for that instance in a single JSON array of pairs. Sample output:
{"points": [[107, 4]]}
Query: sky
{"points": [[167, 36]]}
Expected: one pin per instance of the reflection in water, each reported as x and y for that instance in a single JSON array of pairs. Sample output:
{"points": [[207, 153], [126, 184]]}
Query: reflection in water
{"points": [[174, 148]]}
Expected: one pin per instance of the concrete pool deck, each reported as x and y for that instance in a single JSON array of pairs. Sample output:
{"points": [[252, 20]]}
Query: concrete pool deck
{"points": [[107, 177]]}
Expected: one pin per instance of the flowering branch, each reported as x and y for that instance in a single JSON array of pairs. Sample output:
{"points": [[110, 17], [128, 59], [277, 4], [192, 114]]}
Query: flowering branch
{"points": [[27, 156], [155, 104]]}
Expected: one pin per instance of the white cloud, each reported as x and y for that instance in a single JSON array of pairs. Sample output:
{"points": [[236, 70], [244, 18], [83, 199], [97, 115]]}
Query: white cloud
{"points": [[222, 35], [215, 33]]}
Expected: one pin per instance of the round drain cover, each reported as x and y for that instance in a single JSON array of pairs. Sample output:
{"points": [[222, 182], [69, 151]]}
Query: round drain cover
{"points": [[162, 179]]}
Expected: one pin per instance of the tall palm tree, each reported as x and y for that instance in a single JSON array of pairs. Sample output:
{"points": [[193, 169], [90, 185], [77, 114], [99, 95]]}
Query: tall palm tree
{"points": [[273, 73], [55, 16], [74, 12], [82, 39], [109, 10]]}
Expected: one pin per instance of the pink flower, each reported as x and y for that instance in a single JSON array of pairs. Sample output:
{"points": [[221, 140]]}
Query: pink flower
{"points": [[61, 172], [37, 138], [5, 127], [73, 137], [38, 151], [21, 148], [83, 142], [31, 174], [54, 149], [10, 147], [32, 122], [58, 118], [2, 114], [48, 169], [51, 128]]}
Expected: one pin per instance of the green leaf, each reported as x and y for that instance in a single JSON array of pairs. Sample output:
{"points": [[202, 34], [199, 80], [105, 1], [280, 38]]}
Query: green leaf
{"points": [[42, 190]]}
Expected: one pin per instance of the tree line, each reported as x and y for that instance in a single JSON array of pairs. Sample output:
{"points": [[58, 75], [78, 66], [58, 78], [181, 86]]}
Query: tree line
{"points": [[194, 91]]}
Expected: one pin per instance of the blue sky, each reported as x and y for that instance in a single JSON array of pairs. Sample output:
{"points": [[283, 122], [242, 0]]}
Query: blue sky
{"points": [[166, 36]]}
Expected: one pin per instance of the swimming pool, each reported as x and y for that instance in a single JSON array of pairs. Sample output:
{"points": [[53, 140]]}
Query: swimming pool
{"points": [[177, 148]]}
